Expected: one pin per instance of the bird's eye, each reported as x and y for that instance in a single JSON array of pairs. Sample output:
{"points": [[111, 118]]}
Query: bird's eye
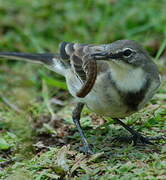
{"points": [[127, 52]]}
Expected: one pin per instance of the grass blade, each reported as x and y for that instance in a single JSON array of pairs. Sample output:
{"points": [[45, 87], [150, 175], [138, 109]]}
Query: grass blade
{"points": [[161, 49]]}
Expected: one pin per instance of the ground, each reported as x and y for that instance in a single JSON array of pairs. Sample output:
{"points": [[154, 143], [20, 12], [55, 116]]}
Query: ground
{"points": [[37, 137]]}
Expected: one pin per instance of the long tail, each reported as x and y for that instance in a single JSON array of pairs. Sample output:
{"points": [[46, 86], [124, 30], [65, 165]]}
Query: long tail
{"points": [[52, 61]]}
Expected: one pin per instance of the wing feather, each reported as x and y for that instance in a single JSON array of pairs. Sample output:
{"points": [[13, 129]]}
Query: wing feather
{"points": [[79, 57]]}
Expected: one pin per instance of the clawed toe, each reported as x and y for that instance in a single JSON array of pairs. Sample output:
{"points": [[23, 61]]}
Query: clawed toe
{"points": [[137, 139], [86, 150], [127, 139]]}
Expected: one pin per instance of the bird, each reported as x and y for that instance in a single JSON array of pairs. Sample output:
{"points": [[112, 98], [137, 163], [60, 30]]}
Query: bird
{"points": [[113, 80]]}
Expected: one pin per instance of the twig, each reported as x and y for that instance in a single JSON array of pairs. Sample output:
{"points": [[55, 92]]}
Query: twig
{"points": [[5, 163], [46, 99], [11, 105]]}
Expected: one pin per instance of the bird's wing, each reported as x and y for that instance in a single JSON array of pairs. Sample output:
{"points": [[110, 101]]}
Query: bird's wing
{"points": [[77, 56], [81, 62], [73, 55]]}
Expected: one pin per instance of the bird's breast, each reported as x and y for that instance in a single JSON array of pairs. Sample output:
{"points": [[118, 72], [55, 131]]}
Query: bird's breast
{"points": [[106, 100]]}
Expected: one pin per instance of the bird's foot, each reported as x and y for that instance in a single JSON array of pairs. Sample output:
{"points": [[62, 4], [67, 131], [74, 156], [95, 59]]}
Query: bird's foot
{"points": [[140, 139], [86, 149], [137, 138]]}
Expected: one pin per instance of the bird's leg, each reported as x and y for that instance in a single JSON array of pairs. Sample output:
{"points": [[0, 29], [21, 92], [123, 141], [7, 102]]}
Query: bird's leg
{"points": [[136, 136], [76, 119]]}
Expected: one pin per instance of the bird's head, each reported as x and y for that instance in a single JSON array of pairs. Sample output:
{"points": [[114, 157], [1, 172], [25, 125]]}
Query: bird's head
{"points": [[125, 53], [129, 63]]}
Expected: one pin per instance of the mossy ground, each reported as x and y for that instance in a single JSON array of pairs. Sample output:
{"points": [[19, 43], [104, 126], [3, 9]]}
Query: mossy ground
{"points": [[37, 137]]}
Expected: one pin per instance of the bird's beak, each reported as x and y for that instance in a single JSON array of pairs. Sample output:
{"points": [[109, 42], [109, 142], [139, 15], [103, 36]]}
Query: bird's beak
{"points": [[104, 56], [43, 58]]}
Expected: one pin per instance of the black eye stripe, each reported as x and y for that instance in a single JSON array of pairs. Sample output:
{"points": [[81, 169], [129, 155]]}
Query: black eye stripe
{"points": [[120, 54], [117, 55]]}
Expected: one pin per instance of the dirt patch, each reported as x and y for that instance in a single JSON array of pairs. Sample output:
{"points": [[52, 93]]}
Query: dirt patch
{"points": [[45, 139]]}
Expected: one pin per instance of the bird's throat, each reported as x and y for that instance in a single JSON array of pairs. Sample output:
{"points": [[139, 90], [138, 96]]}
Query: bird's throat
{"points": [[127, 78]]}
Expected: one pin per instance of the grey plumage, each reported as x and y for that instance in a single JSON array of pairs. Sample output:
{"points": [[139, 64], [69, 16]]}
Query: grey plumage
{"points": [[123, 78], [70, 63]]}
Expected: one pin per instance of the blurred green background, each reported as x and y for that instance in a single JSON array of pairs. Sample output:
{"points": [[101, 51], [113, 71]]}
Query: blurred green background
{"points": [[39, 26], [32, 25], [26, 89]]}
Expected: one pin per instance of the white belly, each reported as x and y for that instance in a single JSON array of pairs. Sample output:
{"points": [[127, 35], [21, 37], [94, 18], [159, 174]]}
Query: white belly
{"points": [[103, 98]]}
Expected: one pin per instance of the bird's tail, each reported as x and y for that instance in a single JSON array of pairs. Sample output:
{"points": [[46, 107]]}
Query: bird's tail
{"points": [[52, 61]]}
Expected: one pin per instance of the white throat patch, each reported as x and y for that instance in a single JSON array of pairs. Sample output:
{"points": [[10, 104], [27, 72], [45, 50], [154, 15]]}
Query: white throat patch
{"points": [[126, 77]]}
